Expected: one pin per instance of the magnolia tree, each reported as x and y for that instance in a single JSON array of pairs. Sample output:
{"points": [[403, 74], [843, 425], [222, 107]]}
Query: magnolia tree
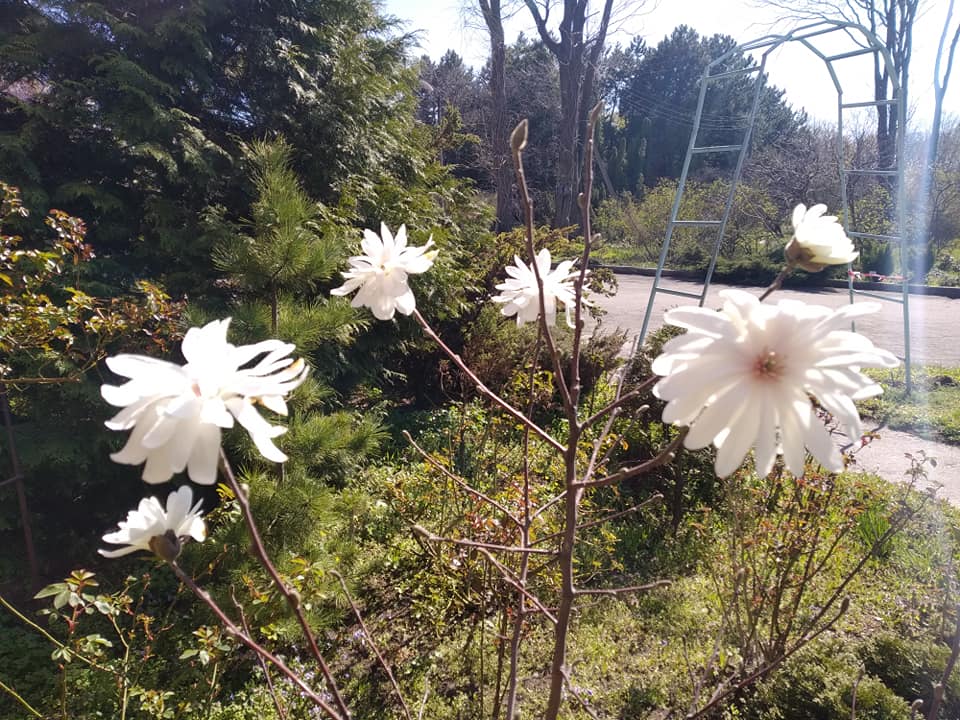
{"points": [[752, 375]]}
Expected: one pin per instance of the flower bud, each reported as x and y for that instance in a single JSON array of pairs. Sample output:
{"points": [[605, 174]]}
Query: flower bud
{"points": [[167, 547]]}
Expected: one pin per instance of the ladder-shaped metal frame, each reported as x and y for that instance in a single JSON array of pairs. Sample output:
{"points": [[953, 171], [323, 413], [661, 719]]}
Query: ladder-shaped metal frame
{"points": [[768, 44]]}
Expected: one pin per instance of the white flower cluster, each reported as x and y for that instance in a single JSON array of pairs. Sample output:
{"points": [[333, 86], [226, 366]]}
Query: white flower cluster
{"points": [[742, 378], [177, 413]]}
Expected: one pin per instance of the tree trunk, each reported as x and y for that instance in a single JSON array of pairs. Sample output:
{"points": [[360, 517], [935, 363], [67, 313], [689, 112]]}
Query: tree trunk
{"points": [[933, 146], [503, 173], [576, 56]]}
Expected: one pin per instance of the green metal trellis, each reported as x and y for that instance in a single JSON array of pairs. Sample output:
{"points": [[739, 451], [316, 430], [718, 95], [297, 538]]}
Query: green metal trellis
{"points": [[865, 43]]}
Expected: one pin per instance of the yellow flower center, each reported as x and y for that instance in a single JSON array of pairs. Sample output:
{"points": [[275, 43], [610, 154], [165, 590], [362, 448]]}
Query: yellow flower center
{"points": [[768, 366]]}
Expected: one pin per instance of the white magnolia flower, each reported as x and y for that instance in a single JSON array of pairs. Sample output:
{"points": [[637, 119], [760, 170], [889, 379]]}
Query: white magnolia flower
{"points": [[381, 272], [521, 296], [156, 530], [177, 412], [740, 378], [818, 240]]}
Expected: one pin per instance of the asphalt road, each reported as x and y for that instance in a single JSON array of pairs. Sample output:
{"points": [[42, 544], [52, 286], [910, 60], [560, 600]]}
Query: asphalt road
{"points": [[934, 320]]}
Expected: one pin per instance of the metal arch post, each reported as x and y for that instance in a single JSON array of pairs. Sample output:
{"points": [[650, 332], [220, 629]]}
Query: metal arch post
{"points": [[901, 231], [802, 35], [675, 208], [735, 179]]}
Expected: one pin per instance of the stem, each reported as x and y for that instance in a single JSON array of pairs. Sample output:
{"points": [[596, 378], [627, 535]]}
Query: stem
{"points": [[238, 633], [263, 665], [940, 687], [293, 599], [16, 696], [373, 645], [524, 545], [507, 407], [26, 621], [518, 141], [777, 281]]}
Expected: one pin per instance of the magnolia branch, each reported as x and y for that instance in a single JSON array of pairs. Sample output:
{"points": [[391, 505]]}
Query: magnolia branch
{"points": [[260, 660], [459, 481], [518, 141], [662, 458], [291, 596], [252, 644], [490, 394]]}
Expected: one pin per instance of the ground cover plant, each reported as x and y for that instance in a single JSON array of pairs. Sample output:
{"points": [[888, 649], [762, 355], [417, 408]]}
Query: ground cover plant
{"points": [[931, 410]]}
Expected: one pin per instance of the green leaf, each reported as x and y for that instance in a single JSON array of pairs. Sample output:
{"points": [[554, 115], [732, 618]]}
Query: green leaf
{"points": [[50, 590]]}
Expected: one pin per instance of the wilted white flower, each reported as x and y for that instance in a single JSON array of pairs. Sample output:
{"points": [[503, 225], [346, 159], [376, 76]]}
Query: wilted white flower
{"points": [[177, 412], [159, 531], [521, 296], [818, 240], [381, 272], [740, 378]]}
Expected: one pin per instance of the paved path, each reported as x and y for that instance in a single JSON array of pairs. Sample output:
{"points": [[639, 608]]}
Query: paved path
{"points": [[934, 320], [935, 340]]}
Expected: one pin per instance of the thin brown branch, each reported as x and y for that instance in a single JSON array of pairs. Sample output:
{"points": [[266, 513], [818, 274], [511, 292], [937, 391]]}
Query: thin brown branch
{"points": [[777, 282], [518, 141], [767, 668], [511, 580], [662, 458], [291, 596], [372, 644], [549, 504], [584, 201], [260, 660], [578, 697], [503, 404], [252, 644], [614, 592], [460, 481], [941, 686], [623, 399], [423, 532], [657, 497]]}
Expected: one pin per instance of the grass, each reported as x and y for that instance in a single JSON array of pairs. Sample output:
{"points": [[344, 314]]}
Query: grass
{"points": [[932, 409]]}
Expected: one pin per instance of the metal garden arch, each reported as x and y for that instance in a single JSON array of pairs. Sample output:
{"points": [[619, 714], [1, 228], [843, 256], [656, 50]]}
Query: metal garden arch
{"points": [[866, 43]]}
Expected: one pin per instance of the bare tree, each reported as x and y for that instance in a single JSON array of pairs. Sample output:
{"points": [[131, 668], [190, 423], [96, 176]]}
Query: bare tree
{"points": [[577, 51], [941, 78], [503, 172], [892, 22]]}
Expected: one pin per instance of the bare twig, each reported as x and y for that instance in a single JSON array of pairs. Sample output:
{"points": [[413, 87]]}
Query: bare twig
{"points": [[238, 633], [263, 663], [657, 497], [941, 686], [662, 458], [291, 596], [518, 141], [372, 644], [622, 400], [578, 697], [16, 696], [777, 282], [459, 481], [423, 532], [490, 394]]}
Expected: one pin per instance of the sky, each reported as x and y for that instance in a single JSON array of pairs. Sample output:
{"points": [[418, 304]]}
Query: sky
{"points": [[444, 25]]}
